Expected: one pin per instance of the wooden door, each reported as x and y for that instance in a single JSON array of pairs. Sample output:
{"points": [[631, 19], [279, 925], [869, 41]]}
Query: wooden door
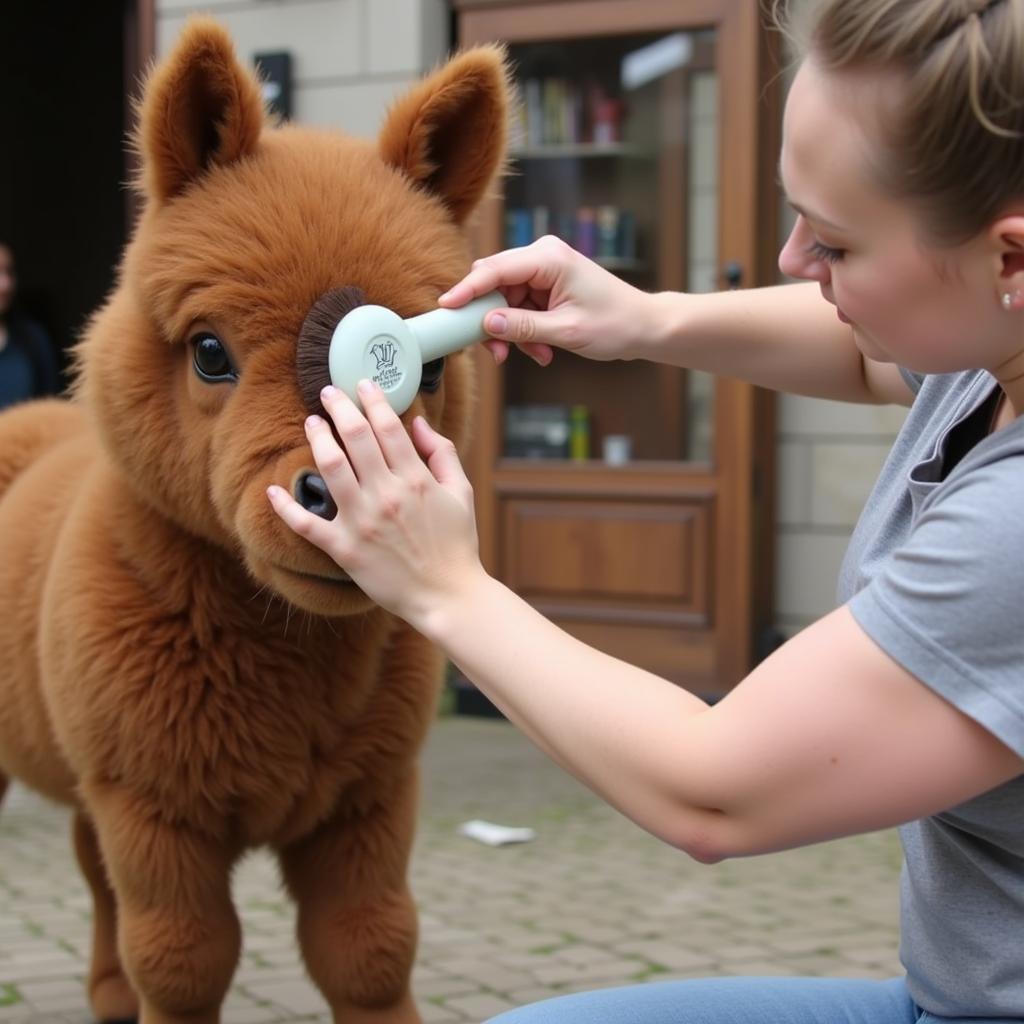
{"points": [[665, 561]]}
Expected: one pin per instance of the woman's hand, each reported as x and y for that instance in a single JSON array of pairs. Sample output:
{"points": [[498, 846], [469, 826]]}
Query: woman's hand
{"points": [[405, 530], [557, 299]]}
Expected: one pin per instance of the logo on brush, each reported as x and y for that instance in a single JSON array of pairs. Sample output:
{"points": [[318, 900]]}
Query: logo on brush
{"points": [[385, 353]]}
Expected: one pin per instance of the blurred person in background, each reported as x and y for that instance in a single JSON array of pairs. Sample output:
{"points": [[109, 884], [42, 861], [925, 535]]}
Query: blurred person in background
{"points": [[28, 365]]}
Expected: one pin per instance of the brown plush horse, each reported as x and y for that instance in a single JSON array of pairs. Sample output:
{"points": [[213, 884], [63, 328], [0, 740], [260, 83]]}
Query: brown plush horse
{"points": [[191, 677]]}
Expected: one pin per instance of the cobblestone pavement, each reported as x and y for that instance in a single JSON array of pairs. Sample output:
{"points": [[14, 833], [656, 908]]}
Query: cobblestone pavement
{"points": [[591, 902]]}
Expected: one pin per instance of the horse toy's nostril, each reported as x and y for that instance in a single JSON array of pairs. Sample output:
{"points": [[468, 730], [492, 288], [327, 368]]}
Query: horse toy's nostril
{"points": [[312, 494]]}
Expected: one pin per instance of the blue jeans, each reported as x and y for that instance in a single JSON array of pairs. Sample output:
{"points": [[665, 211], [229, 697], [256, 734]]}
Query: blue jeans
{"points": [[738, 1001]]}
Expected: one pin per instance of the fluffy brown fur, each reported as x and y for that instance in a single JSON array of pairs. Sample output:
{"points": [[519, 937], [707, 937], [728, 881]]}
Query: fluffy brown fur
{"points": [[187, 674]]}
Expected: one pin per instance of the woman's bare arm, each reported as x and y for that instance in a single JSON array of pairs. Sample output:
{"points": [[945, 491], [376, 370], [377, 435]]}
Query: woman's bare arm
{"points": [[826, 737], [787, 338]]}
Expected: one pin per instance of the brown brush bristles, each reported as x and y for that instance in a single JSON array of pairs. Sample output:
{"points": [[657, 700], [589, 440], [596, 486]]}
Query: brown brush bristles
{"points": [[315, 341]]}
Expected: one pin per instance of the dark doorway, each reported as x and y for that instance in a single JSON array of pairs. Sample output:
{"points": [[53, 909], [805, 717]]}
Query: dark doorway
{"points": [[65, 74]]}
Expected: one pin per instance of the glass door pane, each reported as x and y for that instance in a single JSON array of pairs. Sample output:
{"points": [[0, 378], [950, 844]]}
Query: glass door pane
{"points": [[616, 151]]}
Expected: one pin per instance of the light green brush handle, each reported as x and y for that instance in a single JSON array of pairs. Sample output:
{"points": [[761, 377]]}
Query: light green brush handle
{"points": [[375, 343], [443, 331]]}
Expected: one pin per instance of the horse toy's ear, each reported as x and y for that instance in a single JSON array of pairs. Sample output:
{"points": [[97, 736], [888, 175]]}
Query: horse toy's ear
{"points": [[449, 133], [200, 108]]}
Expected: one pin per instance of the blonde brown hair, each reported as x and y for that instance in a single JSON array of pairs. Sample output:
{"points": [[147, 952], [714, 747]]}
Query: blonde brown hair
{"points": [[955, 145]]}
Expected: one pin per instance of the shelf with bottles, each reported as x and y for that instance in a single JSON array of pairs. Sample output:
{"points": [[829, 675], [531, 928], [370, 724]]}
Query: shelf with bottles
{"points": [[591, 163], [561, 432], [585, 411]]}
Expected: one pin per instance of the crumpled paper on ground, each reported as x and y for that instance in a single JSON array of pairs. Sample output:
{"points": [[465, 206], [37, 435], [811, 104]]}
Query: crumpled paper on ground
{"points": [[490, 834]]}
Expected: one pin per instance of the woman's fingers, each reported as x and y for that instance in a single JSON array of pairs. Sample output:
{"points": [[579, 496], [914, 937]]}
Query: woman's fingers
{"points": [[540, 353], [375, 444], [331, 461], [311, 527], [498, 349], [535, 266], [440, 455], [357, 436], [389, 431]]}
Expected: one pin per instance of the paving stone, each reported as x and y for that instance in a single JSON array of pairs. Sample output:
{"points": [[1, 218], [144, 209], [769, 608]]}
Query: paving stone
{"points": [[432, 1014], [34, 954], [523, 996], [32, 991], [593, 984], [870, 955], [501, 979], [58, 1004], [757, 968], [292, 994], [667, 954], [18, 1014], [478, 1007], [34, 970], [254, 975], [425, 972], [289, 959], [253, 1015], [851, 971], [444, 987]]}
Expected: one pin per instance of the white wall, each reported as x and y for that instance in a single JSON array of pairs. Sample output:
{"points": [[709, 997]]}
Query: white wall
{"points": [[350, 58], [828, 456]]}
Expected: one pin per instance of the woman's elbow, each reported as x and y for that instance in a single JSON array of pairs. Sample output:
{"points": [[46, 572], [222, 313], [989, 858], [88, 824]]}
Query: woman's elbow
{"points": [[708, 840], [705, 853]]}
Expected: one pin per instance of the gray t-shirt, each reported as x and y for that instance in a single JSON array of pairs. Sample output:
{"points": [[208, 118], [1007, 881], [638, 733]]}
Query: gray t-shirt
{"points": [[934, 574]]}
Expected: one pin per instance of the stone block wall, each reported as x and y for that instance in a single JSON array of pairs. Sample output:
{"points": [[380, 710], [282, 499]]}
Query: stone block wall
{"points": [[350, 58]]}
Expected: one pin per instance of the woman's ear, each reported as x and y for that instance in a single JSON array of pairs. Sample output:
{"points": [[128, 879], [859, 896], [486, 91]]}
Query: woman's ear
{"points": [[200, 108], [450, 132]]}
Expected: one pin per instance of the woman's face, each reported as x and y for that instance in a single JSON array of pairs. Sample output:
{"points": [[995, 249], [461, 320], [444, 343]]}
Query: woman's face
{"points": [[7, 279], [929, 309]]}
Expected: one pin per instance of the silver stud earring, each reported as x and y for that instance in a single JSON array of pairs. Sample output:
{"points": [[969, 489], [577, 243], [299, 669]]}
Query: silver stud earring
{"points": [[1008, 300]]}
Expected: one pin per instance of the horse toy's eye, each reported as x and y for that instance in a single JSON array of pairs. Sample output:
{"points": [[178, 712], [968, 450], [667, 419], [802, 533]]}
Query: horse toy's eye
{"points": [[211, 360], [432, 374]]}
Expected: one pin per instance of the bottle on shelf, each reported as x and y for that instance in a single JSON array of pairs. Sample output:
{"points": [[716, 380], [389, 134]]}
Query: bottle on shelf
{"points": [[607, 232], [555, 111], [586, 231], [579, 433], [605, 115]]}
